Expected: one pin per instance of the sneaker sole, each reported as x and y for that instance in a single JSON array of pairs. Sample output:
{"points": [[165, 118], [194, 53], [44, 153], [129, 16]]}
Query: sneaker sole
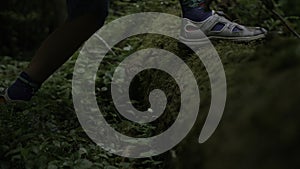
{"points": [[5, 99], [206, 40], [249, 38]]}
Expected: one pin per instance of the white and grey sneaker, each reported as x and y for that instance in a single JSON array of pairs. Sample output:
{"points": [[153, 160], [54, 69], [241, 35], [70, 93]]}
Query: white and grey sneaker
{"points": [[196, 32]]}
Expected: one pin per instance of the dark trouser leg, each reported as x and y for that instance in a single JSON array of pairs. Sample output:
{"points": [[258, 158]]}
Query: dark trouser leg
{"points": [[196, 10], [62, 43]]}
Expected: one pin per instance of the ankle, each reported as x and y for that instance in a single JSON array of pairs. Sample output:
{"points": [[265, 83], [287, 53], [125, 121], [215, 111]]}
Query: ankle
{"points": [[197, 14]]}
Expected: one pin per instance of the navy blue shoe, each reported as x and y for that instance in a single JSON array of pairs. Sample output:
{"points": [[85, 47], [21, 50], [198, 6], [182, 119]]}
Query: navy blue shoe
{"points": [[21, 90]]}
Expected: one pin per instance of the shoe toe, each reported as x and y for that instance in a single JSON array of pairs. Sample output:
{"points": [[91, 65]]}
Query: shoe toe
{"points": [[2, 100], [259, 31]]}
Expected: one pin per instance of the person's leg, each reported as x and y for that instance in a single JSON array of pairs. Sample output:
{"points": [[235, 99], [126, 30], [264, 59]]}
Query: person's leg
{"points": [[195, 10], [198, 11], [60, 45], [85, 18]]}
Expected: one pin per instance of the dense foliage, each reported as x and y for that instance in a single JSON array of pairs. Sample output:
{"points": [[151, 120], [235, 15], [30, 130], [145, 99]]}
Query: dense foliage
{"points": [[25, 24]]}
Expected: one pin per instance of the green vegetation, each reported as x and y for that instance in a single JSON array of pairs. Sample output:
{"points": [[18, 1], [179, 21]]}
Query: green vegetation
{"points": [[260, 128]]}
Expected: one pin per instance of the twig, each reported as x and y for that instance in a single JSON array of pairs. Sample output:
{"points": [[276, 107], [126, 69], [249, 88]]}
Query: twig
{"points": [[269, 4], [285, 23]]}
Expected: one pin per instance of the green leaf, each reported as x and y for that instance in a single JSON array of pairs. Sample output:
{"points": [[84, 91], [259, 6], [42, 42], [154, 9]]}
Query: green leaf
{"points": [[83, 164], [52, 166], [110, 167]]}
